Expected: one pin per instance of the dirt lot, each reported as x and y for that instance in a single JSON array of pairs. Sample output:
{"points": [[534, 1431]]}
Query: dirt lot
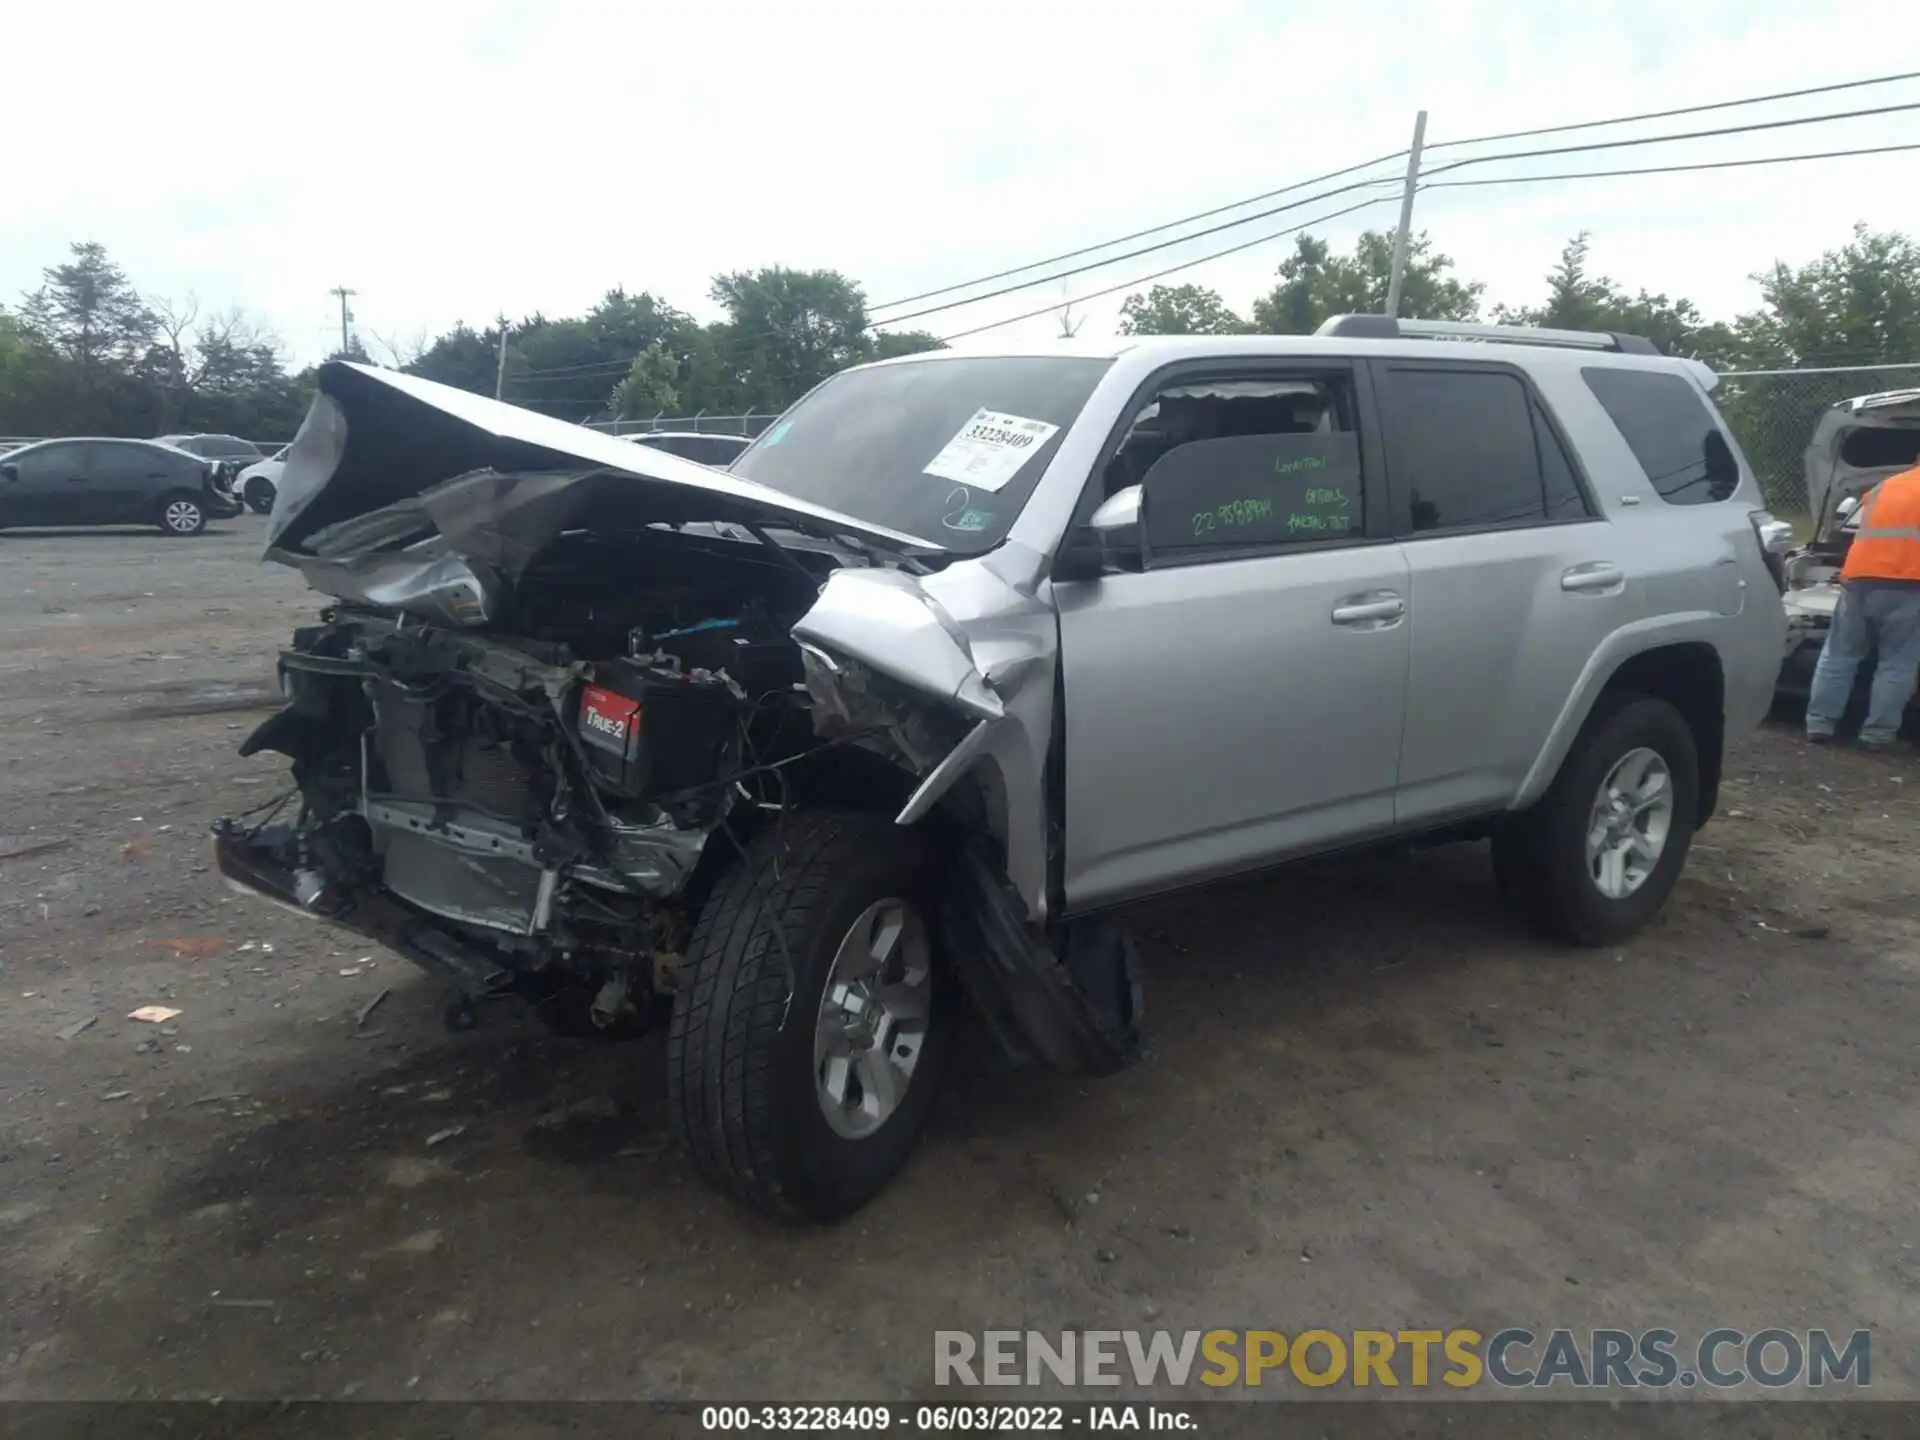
{"points": [[1369, 1101]]}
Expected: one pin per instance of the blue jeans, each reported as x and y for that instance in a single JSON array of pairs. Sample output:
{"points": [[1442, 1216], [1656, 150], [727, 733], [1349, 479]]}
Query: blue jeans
{"points": [[1866, 621]]}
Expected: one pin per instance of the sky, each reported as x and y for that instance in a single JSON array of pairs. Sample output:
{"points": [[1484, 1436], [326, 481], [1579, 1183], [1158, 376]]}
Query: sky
{"points": [[452, 162]]}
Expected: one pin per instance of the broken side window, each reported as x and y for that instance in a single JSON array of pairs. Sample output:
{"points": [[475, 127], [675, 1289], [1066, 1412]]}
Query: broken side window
{"points": [[1245, 464]]}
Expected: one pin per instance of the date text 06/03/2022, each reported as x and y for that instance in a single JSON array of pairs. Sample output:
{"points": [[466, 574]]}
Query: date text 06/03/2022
{"points": [[923, 1419]]}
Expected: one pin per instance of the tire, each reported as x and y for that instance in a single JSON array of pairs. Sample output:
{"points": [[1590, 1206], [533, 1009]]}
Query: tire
{"points": [[1543, 866], [259, 495], [744, 1081], [182, 514]]}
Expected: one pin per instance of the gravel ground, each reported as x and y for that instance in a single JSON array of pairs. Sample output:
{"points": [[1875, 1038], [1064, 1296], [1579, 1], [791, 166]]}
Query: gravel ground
{"points": [[1369, 1100]]}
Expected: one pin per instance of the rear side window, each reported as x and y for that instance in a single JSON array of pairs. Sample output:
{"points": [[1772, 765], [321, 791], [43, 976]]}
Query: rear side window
{"points": [[1472, 450], [1670, 431]]}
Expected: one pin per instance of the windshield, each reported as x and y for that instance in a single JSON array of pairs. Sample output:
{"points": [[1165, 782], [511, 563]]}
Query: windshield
{"points": [[947, 449]]}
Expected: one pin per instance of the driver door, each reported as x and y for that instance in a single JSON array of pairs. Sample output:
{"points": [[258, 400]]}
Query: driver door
{"points": [[1238, 697]]}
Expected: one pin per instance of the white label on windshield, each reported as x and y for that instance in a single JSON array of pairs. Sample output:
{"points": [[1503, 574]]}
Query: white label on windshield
{"points": [[990, 449]]}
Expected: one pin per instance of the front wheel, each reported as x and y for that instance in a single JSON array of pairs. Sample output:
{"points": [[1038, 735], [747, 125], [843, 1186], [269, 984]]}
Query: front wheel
{"points": [[182, 515], [813, 1018], [1596, 857], [259, 495]]}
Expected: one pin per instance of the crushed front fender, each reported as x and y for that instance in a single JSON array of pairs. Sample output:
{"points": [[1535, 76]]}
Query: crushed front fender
{"points": [[1076, 1008]]}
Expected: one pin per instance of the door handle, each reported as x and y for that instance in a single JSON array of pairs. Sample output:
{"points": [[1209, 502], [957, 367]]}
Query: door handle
{"points": [[1599, 576], [1373, 608]]}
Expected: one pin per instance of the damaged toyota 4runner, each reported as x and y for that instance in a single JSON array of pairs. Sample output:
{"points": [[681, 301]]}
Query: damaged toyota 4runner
{"points": [[966, 652]]}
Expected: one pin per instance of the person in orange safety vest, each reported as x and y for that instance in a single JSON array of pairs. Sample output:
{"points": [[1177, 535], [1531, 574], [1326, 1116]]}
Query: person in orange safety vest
{"points": [[1878, 613]]}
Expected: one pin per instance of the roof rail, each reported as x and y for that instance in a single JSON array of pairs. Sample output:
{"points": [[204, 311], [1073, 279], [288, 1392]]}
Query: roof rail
{"points": [[1386, 327]]}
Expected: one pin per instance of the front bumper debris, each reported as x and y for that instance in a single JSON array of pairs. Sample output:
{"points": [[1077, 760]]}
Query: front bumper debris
{"points": [[260, 862]]}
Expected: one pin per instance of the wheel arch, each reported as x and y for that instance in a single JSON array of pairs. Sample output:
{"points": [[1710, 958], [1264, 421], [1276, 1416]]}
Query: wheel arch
{"points": [[1681, 665]]}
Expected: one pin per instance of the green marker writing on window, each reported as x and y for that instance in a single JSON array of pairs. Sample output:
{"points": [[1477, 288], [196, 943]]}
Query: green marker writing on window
{"points": [[1303, 465], [1312, 523], [1233, 515]]}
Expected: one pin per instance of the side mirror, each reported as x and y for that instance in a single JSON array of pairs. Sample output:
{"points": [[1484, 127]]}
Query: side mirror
{"points": [[1847, 506], [1119, 512], [9, 472], [1108, 542]]}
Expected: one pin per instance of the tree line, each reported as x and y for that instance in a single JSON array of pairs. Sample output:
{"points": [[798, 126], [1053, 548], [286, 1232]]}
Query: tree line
{"points": [[1857, 305], [88, 353]]}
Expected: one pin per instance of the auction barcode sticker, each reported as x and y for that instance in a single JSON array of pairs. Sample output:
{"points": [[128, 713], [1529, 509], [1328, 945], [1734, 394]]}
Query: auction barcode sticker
{"points": [[990, 449]]}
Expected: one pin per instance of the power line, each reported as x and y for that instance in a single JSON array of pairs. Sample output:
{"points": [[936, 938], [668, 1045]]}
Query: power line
{"points": [[1438, 145], [1669, 139], [584, 370], [1683, 110], [1665, 169], [1504, 180], [557, 376], [611, 369], [1143, 250], [1173, 269], [1136, 235], [1363, 184]]}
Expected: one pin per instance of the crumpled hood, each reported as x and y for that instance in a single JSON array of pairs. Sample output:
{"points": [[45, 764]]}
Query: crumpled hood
{"points": [[375, 440]]}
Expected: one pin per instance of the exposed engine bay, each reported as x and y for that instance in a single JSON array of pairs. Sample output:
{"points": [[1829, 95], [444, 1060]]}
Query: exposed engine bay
{"points": [[550, 791], [553, 706]]}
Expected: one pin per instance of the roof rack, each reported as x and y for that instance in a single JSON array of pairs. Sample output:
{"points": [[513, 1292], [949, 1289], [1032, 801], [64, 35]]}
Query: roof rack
{"points": [[1387, 327]]}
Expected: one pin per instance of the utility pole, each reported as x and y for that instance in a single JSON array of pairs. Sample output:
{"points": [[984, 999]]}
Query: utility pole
{"points": [[346, 315], [500, 371], [1401, 236]]}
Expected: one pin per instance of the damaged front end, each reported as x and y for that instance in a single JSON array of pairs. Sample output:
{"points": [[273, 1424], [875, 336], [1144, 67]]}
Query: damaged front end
{"points": [[878, 645], [567, 680], [476, 803]]}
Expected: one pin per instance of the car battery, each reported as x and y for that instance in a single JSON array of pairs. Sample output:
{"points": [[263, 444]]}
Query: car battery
{"points": [[649, 732], [757, 663]]}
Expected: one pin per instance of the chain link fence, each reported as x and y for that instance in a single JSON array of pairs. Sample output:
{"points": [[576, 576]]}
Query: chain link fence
{"points": [[701, 424], [1772, 413]]}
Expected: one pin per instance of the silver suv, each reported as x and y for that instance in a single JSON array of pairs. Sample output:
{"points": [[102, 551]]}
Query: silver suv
{"points": [[967, 652]]}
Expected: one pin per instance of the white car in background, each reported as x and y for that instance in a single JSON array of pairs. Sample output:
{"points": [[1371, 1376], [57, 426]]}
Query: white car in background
{"points": [[260, 482]]}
